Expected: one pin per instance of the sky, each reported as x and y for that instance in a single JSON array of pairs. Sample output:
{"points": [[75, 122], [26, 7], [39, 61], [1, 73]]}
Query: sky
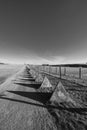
{"points": [[43, 31]]}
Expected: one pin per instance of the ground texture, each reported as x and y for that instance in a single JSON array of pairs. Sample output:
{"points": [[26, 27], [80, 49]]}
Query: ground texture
{"points": [[23, 106]]}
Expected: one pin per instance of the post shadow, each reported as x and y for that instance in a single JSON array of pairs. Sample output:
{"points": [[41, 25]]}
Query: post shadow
{"points": [[38, 96], [31, 79], [27, 76], [31, 85], [26, 102], [48, 106], [27, 79], [24, 79]]}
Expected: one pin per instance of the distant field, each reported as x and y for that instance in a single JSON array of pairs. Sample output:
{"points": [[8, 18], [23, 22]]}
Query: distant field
{"points": [[6, 71]]}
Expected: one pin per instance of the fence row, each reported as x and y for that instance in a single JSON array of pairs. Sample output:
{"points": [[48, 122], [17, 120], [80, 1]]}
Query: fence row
{"points": [[77, 72]]}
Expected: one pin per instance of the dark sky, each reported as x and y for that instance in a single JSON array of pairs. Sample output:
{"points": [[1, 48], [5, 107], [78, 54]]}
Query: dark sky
{"points": [[43, 31]]}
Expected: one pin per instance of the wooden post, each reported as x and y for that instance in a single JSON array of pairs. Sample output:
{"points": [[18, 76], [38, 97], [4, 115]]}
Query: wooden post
{"points": [[43, 68], [46, 68], [60, 71], [52, 69], [49, 69], [56, 70], [80, 73], [64, 71], [38, 68]]}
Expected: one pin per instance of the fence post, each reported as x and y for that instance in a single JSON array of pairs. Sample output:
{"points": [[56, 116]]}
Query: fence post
{"points": [[56, 70], [42, 68], [45, 68], [80, 73], [64, 71], [38, 68], [60, 71], [49, 69]]}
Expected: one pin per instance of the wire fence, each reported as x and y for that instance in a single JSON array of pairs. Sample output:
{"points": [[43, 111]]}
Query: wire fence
{"points": [[74, 72]]}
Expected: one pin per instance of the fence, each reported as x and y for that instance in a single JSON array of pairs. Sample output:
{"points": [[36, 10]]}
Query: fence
{"points": [[76, 72]]}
